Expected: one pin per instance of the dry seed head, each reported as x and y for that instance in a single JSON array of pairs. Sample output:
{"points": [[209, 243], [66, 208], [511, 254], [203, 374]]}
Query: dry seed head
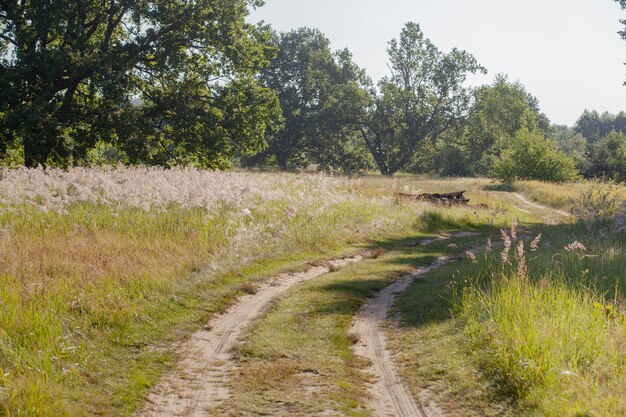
{"points": [[534, 245]]}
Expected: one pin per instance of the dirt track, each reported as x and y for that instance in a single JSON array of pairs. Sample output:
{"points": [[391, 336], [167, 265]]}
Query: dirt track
{"points": [[200, 380], [389, 396], [540, 206]]}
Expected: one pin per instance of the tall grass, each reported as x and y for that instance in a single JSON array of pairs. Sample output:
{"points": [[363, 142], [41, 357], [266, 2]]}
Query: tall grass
{"points": [[97, 267], [547, 326], [565, 196]]}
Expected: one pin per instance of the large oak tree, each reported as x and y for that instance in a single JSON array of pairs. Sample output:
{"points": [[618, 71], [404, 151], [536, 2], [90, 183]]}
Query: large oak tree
{"points": [[165, 81]]}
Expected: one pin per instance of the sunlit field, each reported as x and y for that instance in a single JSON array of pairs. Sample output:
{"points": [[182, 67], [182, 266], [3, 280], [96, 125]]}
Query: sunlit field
{"points": [[100, 267]]}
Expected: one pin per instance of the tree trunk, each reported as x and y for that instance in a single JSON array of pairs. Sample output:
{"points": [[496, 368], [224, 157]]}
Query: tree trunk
{"points": [[281, 160], [36, 148]]}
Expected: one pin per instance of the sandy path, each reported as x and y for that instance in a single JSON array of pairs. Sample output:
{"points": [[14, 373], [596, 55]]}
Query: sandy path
{"points": [[389, 396], [200, 380], [540, 206]]}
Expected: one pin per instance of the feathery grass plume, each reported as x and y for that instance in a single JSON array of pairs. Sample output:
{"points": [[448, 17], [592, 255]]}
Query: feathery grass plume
{"points": [[489, 248], [521, 256], [471, 256], [534, 245], [504, 255], [575, 247], [514, 230]]}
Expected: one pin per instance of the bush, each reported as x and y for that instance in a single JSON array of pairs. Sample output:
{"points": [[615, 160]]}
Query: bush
{"points": [[533, 157]]}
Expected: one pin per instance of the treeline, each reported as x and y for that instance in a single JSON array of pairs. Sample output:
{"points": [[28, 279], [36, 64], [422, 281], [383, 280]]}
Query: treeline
{"points": [[178, 83]]}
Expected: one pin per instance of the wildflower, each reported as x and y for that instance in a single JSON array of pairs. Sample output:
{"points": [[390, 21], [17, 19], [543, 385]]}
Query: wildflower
{"points": [[534, 245], [575, 247], [471, 256]]}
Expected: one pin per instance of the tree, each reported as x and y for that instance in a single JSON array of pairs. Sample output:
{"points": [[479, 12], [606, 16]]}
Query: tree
{"points": [[593, 125], [422, 98], [623, 21], [607, 157], [322, 94], [498, 112], [570, 143], [166, 81], [531, 156]]}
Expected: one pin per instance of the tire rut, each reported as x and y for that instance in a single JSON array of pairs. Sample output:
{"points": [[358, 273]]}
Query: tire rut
{"points": [[389, 395], [200, 380]]}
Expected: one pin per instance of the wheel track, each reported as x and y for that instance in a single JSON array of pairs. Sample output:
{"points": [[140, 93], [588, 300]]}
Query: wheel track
{"points": [[389, 395], [200, 380]]}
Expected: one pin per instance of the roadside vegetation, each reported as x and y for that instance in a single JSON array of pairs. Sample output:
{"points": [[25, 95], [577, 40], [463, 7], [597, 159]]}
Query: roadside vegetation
{"points": [[99, 266], [531, 324]]}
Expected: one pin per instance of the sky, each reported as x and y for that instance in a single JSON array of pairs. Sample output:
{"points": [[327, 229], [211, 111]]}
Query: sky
{"points": [[566, 52]]}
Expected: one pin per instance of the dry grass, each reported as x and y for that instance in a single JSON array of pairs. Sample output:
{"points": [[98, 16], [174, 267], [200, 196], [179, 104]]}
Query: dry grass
{"points": [[90, 282]]}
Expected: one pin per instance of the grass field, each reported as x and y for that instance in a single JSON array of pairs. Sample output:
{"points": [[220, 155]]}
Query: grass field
{"points": [[99, 267], [101, 271]]}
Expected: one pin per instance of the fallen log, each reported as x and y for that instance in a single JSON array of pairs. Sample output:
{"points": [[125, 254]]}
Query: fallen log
{"points": [[445, 199]]}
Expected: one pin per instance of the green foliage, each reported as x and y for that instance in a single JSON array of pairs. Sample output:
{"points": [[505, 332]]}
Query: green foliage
{"points": [[322, 95], [533, 157], [166, 83], [594, 126], [607, 157], [423, 98], [551, 338], [499, 111], [623, 21]]}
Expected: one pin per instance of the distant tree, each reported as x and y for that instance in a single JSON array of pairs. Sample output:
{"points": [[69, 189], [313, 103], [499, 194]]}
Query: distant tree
{"points": [[499, 111], [570, 143], [623, 21], [593, 125], [531, 156], [167, 82], [588, 125], [422, 98], [322, 95], [607, 157]]}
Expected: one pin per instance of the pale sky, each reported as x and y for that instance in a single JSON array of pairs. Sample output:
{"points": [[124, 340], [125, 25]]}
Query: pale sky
{"points": [[566, 52]]}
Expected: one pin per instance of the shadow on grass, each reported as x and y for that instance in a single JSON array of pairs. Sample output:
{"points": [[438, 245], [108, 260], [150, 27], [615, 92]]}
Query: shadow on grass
{"points": [[403, 255], [429, 299]]}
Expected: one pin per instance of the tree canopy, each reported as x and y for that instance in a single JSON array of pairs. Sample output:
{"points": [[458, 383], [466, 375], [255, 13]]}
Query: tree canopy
{"points": [[533, 157], [422, 98], [167, 81], [498, 112], [322, 95]]}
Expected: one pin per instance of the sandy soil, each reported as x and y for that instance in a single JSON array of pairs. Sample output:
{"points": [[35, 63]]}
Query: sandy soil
{"points": [[539, 206], [389, 396], [199, 381]]}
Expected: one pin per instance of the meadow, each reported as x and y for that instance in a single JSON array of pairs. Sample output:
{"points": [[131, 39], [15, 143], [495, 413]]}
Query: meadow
{"points": [[103, 271]]}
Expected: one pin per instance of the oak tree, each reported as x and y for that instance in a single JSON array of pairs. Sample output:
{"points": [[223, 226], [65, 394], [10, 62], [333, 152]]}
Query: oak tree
{"points": [[165, 81]]}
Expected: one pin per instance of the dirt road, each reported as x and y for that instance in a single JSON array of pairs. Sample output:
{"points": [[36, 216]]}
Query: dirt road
{"points": [[199, 382], [389, 396]]}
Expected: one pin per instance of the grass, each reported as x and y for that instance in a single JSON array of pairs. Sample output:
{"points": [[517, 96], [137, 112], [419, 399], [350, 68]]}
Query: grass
{"points": [[547, 339], [561, 196], [298, 358], [93, 293], [554, 339]]}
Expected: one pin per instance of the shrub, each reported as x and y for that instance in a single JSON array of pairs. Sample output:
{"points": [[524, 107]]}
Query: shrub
{"points": [[533, 157]]}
